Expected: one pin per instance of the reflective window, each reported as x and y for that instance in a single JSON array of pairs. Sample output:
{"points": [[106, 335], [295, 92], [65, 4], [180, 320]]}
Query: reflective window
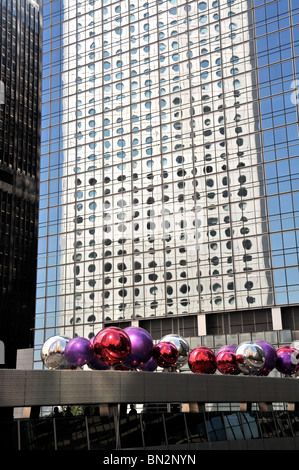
{"points": [[172, 138]]}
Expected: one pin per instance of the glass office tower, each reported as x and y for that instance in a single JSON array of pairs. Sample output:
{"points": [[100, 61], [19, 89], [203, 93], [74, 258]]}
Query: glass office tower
{"points": [[20, 69], [169, 167]]}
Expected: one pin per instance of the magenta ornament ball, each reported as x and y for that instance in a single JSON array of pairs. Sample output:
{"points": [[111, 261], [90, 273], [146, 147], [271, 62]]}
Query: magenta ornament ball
{"points": [[165, 354], [78, 351], [141, 347], [202, 360], [112, 346]]}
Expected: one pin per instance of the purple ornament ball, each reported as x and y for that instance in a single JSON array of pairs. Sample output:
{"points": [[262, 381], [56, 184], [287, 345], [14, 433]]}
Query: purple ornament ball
{"points": [[78, 351], [227, 347], [270, 357], [149, 366], [287, 360], [141, 347]]}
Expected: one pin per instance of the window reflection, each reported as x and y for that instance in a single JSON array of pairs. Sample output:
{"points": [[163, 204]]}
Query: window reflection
{"points": [[182, 122], [150, 429]]}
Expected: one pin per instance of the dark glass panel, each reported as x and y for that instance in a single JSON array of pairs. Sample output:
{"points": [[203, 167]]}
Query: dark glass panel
{"points": [[130, 432], [101, 433], [71, 433], [37, 434], [175, 429], [153, 430], [197, 431]]}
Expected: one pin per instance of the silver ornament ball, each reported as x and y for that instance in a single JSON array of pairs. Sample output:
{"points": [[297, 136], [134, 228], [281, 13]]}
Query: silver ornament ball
{"points": [[254, 357], [182, 346], [52, 353]]}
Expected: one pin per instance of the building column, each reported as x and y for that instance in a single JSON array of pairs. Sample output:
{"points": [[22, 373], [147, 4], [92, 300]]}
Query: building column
{"points": [[25, 362], [194, 407], [276, 318], [201, 324]]}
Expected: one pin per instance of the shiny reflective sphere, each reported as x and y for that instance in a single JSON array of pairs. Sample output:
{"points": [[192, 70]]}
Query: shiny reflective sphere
{"points": [[112, 346], [78, 351], [182, 347], [287, 360], [202, 360], [149, 366], [253, 355], [94, 362], [53, 353], [141, 347], [165, 354], [228, 361]]}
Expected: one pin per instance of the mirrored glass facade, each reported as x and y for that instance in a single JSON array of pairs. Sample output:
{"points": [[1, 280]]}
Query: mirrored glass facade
{"points": [[169, 167], [20, 67], [175, 432]]}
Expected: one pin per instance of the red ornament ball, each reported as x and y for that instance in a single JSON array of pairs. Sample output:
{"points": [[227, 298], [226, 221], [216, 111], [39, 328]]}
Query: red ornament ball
{"points": [[228, 362], [202, 361], [165, 354], [112, 346]]}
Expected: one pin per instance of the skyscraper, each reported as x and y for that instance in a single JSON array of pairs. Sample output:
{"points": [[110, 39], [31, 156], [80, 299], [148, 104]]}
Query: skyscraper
{"points": [[169, 167], [19, 171]]}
